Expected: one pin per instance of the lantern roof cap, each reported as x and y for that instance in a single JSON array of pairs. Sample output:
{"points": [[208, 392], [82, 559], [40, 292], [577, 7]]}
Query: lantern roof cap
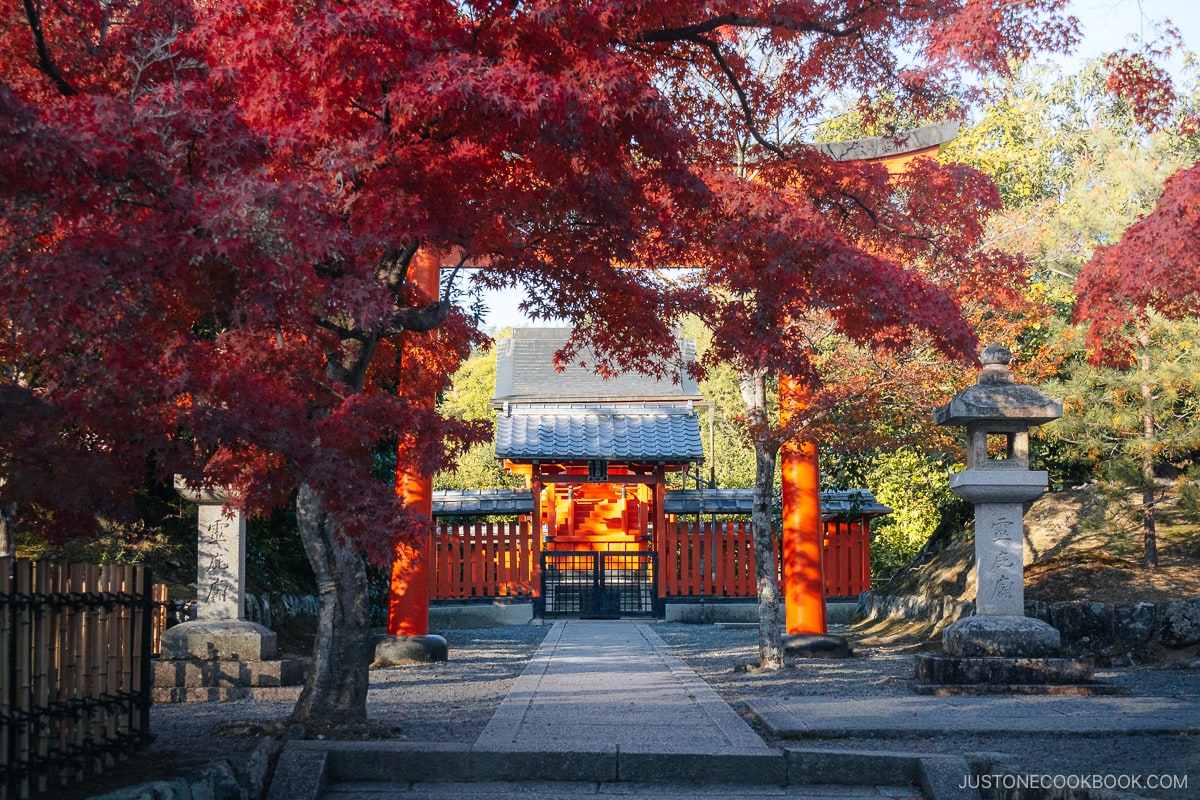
{"points": [[997, 397]]}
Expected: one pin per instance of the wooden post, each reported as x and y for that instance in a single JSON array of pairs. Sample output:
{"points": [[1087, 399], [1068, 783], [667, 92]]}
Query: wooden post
{"points": [[408, 603], [660, 520], [803, 575]]}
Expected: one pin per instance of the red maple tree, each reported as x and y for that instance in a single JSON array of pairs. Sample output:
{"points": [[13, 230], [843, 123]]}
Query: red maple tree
{"points": [[210, 210]]}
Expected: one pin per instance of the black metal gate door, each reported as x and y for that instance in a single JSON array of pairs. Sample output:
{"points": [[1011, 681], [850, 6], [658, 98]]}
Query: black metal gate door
{"points": [[594, 584]]}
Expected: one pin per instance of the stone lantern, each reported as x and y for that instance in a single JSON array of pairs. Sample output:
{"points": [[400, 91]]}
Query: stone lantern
{"points": [[999, 645]]}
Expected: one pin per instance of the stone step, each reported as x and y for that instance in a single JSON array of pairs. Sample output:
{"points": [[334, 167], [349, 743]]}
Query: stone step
{"points": [[221, 674], [932, 668], [1043, 689], [211, 694]]}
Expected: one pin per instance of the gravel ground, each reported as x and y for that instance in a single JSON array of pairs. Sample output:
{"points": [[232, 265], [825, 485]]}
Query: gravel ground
{"points": [[886, 670], [453, 701]]}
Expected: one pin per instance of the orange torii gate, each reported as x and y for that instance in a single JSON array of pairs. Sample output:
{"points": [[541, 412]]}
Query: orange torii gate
{"points": [[803, 531], [803, 572]]}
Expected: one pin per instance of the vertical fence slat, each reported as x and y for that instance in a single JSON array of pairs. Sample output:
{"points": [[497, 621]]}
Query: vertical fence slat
{"points": [[668, 559], [533, 544], [748, 585], [515, 576], [23, 680], [462, 572], [7, 617], [42, 652], [142, 650], [77, 687], [491, 559]]}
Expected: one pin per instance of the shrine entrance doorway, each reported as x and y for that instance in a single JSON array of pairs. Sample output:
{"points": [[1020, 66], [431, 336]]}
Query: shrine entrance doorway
{"points": [[595, 454], [593, 584]]}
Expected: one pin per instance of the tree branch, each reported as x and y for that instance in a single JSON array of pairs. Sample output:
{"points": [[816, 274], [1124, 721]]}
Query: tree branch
{"points": [[692, 32], [45, 62], [743, 101], [420, 320]]}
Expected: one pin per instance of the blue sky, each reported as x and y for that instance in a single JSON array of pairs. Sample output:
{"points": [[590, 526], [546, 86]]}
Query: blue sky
{"points": [[1106, 25]]}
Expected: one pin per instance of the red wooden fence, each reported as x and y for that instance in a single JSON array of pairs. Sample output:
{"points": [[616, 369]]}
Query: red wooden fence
{"points": [[487, 560], [847, 561], [504, 560], [698, 560]]}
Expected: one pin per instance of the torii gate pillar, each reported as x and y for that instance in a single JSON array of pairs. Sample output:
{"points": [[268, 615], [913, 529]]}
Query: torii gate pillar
{"points": [[408, 639], [803, 570], [806, 633], [803, 530]]}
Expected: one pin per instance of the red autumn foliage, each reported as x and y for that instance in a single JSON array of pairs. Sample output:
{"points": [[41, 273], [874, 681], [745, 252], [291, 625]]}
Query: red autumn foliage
{"points": [[209, 210], [1156, 265]]}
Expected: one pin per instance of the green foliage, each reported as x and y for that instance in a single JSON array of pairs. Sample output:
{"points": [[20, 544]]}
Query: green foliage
{"points": [[1072, 163], [275, 559], [1106, 409], [730, 452], [1012, 142], [915, 486], [164, 538], [1189, 494]]}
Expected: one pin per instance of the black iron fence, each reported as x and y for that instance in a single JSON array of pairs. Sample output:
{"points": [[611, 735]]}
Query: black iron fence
{"points": [[75, 647]]}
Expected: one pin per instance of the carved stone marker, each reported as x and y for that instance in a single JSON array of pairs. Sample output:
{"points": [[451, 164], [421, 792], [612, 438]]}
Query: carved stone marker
{"points": [[220, 630], [220, 559]]}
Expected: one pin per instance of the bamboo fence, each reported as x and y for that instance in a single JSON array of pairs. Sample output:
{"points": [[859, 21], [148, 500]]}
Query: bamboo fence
{"points": [[75, 647]]}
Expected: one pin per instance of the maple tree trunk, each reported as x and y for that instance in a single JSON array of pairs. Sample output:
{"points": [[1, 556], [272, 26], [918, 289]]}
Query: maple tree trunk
{"points": [[1149, 533], [336, 688], [770, 642]]}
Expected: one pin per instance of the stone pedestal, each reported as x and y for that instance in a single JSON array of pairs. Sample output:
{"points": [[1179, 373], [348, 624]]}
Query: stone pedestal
{"points": [[232, 640], [815, 645], [393, 650], [1009, 636]]}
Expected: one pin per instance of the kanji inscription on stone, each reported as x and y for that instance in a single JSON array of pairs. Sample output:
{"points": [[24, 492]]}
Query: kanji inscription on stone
{"points": [[220, 562]]}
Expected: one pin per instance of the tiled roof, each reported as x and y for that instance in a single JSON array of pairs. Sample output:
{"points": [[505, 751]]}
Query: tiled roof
{"points": [[834, 502], [582, 432], [525, 373], [448, 502]]}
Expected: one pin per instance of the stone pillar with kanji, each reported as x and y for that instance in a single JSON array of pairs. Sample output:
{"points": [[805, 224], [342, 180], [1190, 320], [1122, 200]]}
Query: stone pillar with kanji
{"points": [[220, 630]]}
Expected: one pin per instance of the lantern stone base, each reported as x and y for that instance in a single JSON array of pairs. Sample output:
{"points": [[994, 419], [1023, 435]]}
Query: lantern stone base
{"points": [[391, 650], [1003, 655], [214, 660], [958, 671], [228, 639], [1001, 636], [815, 645]]}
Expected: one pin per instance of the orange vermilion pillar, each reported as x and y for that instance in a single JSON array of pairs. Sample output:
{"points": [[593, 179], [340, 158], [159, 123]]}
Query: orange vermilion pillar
{"points": [[408, 599], [803, 532]]}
